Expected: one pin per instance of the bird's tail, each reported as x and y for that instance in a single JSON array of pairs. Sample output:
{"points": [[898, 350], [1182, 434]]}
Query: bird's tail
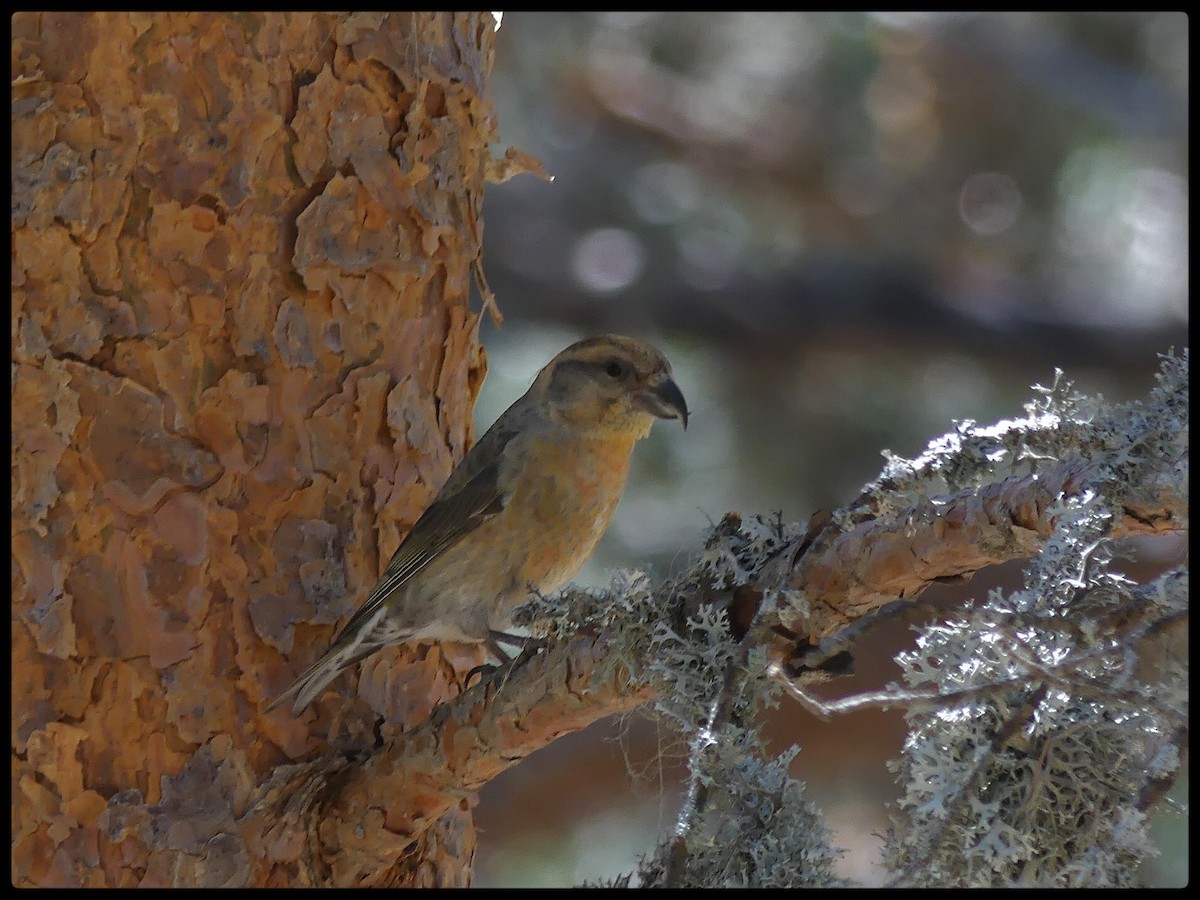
{"points": [[366, 632], [314, 679]]}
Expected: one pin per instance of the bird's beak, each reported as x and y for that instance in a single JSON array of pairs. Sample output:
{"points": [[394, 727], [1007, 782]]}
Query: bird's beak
{"points": [[662, 398]]}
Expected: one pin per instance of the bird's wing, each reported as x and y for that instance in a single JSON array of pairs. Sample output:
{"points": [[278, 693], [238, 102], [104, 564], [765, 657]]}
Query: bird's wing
{"points": [[471, 496]]}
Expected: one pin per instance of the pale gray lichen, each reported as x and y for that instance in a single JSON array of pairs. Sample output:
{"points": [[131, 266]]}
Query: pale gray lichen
{"points": [[737, 549], [1059, 424], [760, 831], [1034, 777]]}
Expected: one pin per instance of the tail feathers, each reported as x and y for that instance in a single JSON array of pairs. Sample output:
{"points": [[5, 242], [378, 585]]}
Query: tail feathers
{"points": [[358, 640], [315, 678]]}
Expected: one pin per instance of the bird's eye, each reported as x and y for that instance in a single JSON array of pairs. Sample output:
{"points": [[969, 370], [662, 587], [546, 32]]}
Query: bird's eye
{"points": [[614, 369]]}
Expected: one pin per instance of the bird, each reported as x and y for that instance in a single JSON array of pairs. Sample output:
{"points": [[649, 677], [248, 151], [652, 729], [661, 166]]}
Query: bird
{"points": [[520, 514]]}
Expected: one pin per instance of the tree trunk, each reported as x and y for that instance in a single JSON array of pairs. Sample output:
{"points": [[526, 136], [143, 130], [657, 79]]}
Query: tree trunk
{"points": [[243, 362]]}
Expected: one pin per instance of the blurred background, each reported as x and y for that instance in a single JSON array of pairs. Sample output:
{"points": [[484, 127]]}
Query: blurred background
{"points": [[846, 230]]}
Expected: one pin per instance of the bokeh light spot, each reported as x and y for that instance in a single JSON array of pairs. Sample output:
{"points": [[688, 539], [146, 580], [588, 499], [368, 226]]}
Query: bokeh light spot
{"points": [[607, 260], [989, 203]]}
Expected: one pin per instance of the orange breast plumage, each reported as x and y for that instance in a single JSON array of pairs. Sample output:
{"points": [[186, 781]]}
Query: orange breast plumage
{"points": [[569, 505]]}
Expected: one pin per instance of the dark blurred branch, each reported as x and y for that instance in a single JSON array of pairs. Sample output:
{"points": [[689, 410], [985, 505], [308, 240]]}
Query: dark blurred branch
{"points": [[842, 302]]}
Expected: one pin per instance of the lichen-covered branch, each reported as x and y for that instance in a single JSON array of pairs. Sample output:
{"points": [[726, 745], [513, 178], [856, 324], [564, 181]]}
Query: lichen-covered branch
{"points": [[1001, 489], [846, 575]]}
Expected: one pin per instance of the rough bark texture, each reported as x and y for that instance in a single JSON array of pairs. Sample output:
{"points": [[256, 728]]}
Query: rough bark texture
{"points": [[243, 362]]}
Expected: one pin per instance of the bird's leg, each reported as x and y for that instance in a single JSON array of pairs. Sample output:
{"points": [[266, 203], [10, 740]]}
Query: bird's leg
{"points": [[487, 668], [528, 647], [527, 643]]}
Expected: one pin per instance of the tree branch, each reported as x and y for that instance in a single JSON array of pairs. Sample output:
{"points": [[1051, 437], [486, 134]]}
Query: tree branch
{"points": [[847, 575], [359, 813]]}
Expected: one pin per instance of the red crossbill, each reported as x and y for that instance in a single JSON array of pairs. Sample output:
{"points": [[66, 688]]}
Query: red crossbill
{"points": [[522, 512]]}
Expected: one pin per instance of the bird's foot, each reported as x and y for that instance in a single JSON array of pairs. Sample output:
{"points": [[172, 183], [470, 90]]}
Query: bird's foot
{"points": [[482, 670], [528, 647]]}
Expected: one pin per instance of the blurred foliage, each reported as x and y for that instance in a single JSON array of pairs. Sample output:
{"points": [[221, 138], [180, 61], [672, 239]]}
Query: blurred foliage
{"points": [[757, 172], [845, 230]]}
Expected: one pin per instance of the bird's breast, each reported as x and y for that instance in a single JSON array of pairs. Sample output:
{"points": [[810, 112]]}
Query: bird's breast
{"points": [[568, 501]]}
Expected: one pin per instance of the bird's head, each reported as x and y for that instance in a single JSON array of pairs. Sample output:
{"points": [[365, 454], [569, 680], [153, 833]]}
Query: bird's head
{"points": [[610, 383]]}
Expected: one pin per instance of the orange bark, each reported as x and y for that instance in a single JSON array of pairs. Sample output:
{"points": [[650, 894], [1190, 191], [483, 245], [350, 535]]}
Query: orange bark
{"points": [[244, 359]]}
